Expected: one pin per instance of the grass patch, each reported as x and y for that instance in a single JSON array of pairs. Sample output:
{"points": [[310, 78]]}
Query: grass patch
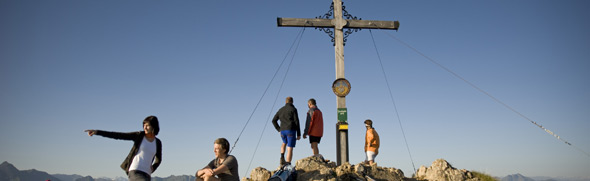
{"points": [[483, 176]]}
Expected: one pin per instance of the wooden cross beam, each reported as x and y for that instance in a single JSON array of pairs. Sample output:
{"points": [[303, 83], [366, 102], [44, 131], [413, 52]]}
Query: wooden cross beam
{"points": [[327, 23]]}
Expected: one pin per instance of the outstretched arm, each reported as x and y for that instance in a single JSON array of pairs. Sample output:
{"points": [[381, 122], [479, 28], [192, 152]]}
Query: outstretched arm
{"points": [[115, 135]]}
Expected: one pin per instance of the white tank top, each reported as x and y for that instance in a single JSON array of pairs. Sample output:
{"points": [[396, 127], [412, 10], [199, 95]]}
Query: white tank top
{"points": [[144, 157]]}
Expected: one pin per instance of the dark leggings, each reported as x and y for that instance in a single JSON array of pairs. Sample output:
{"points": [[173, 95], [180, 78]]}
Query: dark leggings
{"points": [[136, 175]]}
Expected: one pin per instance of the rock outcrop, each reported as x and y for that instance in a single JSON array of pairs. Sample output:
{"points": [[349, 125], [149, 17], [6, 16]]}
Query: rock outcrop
{"points": [[441, 170], [259, 173], [312, 168], [367, 172]]}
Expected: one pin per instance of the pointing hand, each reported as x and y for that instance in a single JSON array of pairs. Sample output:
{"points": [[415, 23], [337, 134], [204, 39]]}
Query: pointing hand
{"points": [[90, 132]]}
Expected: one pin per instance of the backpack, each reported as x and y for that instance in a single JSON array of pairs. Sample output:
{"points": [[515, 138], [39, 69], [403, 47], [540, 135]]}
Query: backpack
{"points": [[286, 173]]}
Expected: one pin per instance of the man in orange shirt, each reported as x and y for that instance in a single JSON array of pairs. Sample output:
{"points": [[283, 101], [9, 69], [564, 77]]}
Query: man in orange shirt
{"points": [[371, 142]]}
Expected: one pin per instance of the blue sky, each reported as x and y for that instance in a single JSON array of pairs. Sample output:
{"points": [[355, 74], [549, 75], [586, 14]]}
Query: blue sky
{"points": [[202, 66]]}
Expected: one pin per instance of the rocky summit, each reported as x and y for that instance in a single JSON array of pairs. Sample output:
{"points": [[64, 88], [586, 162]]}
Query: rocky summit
{"points": [[313, 168]]}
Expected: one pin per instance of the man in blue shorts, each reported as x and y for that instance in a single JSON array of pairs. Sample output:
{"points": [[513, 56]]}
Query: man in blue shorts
{"points": [[289, 128]]}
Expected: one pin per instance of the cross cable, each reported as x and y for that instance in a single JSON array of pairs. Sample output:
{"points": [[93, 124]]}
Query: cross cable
{"points": [[298, 40], [264, 93], [487, 94], [393, 101]]}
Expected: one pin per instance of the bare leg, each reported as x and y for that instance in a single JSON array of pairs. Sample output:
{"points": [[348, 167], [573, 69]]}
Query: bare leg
{"points": [[314, 147], [283, 154], [289, 154]]}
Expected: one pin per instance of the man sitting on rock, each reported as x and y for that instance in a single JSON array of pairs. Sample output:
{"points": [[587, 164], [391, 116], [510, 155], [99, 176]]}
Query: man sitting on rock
{"points": [[223, 167]]}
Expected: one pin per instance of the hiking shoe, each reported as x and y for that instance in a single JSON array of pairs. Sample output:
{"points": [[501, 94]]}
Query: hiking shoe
{"points": [[283, 161], [322, 158]]}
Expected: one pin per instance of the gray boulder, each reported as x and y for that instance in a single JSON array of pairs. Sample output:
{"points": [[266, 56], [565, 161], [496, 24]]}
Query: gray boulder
{"points": [[441, 170]]}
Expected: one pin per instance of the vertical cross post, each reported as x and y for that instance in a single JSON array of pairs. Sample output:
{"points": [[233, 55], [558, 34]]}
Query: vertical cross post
{"points": [[341, 125]]}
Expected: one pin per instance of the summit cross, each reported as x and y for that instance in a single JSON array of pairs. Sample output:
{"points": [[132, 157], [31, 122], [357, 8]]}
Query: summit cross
{"points": [[338, 23]]}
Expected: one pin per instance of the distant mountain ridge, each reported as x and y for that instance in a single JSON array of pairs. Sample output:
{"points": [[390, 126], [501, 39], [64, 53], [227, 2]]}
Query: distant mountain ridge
{"points": [[517, 177], [64, 177], [520, 177], [9, 172]]}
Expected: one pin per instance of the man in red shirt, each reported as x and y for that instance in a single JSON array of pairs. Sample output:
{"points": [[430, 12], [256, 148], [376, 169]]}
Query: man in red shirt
{"points": [[314, 127]]}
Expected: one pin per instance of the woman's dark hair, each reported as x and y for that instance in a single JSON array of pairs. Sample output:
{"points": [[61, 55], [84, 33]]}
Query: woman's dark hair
{"points": [[153, 120], [224, 144]]}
